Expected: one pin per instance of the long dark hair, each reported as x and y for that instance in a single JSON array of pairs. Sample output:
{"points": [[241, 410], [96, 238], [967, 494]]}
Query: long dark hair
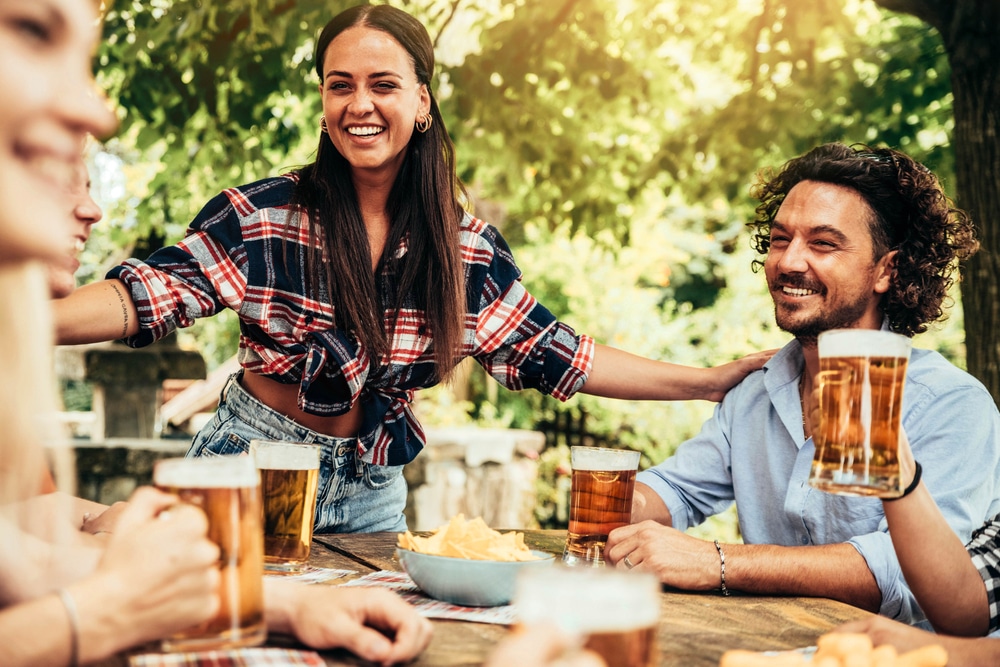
{"points": [[424, 209], [911, 215]]}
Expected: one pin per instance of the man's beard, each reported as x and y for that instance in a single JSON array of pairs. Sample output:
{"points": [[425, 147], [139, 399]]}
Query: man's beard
{"points": [[807, 331]]}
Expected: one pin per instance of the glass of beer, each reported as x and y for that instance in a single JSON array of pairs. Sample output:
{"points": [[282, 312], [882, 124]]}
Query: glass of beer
{"points": [[227, 489], [289, 479], [600, 501], [612, 612], [861, 379]]}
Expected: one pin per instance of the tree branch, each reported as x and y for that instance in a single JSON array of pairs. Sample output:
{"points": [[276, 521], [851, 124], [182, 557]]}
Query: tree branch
{"points": [[564, 11], [754, 53], [454, 10], [938, 13]]}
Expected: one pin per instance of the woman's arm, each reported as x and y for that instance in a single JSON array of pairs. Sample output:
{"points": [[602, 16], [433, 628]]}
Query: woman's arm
{"points": [[95, 313], [620, 374], [158, 575], [37, 633], [936, 565]]}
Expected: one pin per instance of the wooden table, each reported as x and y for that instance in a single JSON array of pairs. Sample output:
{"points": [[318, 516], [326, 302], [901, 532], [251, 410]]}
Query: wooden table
{"points": [[695, 628]]}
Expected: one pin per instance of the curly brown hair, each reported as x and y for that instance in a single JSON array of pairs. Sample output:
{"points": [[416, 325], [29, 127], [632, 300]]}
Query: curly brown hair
{"points": [[912, 215]]}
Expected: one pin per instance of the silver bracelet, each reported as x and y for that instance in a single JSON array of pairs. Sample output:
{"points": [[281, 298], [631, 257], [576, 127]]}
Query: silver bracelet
{"points": [[74, 626], [722, 567]]}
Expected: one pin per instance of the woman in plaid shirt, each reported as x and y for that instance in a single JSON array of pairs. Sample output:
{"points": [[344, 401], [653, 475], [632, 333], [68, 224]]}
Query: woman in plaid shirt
{"points": [[358, 280]]}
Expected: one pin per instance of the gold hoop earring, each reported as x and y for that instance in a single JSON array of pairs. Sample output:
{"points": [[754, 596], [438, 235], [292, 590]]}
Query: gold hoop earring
{"points": [[424, 123], [322, 124]]}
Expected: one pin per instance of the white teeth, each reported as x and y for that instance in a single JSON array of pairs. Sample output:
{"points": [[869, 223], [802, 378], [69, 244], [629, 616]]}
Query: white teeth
{"points": [[793, 291], [78, 245], [364, 131]]}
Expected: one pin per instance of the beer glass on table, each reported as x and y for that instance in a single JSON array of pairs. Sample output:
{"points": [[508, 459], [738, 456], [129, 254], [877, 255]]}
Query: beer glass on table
{"points": [[289, 479], [614, 613], [600, 501], [227, 489], [861, 379]]}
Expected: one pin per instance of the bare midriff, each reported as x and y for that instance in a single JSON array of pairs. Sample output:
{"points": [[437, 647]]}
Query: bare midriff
{"points": [[283, 398]]}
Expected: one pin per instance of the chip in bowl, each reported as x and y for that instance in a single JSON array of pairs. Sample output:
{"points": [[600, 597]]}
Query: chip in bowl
{"points": [[467, 562], [471, 539]]}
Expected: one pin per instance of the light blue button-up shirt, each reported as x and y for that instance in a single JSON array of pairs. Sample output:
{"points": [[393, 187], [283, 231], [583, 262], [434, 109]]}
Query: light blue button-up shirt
{"points": [[753, 450]]}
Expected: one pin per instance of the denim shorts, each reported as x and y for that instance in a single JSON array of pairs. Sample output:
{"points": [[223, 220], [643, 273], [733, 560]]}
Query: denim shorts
{"points": [[354, 496]]}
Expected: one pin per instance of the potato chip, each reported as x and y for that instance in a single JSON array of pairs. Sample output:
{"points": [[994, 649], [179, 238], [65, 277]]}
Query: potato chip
{"points": [[841, 649], [472, 539]]}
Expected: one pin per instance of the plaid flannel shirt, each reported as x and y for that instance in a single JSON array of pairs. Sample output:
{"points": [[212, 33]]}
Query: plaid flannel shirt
{"points": [[984, 547], [234, 256]]}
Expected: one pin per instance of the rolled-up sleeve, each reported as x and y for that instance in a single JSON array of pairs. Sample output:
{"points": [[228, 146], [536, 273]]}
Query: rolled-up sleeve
{"points": [[517, 340], [199, 276], [696, 482]]}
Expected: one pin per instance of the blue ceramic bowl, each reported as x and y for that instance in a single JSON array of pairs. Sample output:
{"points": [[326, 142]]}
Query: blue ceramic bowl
{"points": [[470, 583]]}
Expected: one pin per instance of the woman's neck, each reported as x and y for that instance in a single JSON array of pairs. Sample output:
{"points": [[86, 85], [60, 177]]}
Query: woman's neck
{"points": [[373, 195]]}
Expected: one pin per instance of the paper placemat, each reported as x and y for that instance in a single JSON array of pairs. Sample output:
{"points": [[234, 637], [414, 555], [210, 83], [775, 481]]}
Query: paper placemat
{"points": [[431, 608], [241, 657], [312, 575], [806, 651]]}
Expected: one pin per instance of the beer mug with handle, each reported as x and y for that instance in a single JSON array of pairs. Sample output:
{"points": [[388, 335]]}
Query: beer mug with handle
{"points": [[614, 613], [227, 489], [860, 387], [600, 501]]}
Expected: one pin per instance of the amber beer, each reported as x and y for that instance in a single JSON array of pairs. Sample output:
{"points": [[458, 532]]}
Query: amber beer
{"points": [[289, 479], [614, 612], [861, 380], [227, 489], [600, 501]]}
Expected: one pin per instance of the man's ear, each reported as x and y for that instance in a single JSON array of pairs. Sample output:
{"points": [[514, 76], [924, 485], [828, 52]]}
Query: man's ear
{"points": [[885, 272]]}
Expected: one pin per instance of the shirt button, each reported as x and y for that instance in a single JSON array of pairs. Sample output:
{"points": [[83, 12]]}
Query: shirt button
{"points": [[805, 540]]}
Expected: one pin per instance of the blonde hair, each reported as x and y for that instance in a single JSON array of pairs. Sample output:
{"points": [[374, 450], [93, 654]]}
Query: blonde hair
{"points": [[27, 397], [28, 424]]}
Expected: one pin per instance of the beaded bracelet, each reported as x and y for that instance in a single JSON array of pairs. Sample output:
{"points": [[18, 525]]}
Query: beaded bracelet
{"points": [[913, 484], [74, 626], [722, 567]]}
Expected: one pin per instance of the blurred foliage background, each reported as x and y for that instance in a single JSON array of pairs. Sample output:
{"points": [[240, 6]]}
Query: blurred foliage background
{"points": [[612, 141]]}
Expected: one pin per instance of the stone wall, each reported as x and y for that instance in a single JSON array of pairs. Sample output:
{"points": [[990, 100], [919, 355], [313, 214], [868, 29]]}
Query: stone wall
{"points": [[476, 472]]}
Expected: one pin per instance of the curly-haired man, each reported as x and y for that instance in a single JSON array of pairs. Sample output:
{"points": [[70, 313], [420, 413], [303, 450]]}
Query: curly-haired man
{"points": [[851, 237]]}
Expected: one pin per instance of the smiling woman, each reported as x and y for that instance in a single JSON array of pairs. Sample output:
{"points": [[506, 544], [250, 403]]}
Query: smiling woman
{"points": [[50, 106], [360, 279]]}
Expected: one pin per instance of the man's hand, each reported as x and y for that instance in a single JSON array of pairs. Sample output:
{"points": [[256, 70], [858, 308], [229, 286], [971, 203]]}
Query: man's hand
{"points": [[679, 560], [373, 623]]}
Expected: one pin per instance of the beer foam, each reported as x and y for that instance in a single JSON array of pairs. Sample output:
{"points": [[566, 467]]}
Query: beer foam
{"points": [[588, 600], [215, 472], [863, 343], [601, 458], [286, 456]]}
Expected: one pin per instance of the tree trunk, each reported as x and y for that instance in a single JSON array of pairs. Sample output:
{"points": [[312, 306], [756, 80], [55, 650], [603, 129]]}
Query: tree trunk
{"points": [[973, 44], [971, 33]]}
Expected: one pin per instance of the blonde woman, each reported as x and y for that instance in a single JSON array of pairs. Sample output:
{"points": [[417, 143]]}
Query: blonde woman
{"points": [[49, 614], [65, 600]]}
